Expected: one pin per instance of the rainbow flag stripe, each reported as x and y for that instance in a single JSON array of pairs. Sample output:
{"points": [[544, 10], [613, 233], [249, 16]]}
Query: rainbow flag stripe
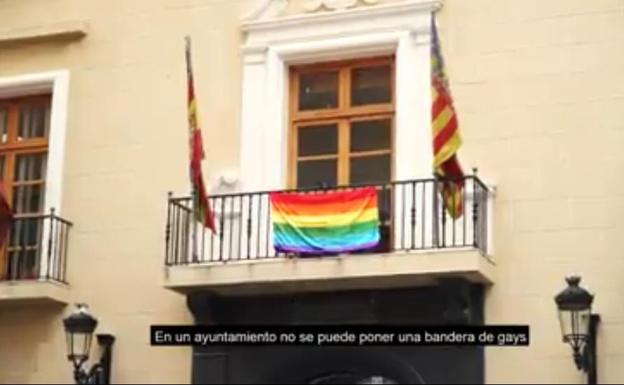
{"points": [[331, 222]]}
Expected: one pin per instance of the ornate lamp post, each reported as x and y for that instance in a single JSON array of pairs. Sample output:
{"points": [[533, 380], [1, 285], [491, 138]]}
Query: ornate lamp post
{"points": [[578, 325], [79, 328]]}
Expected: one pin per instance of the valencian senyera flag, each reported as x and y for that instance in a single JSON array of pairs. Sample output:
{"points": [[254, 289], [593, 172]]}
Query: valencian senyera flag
{"points": [[6, 216], [446, 138], [201, 205], [325, 223]]}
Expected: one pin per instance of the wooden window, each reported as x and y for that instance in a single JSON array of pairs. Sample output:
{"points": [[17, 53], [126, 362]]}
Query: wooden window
{"points": [[342, 128], [24, 131], [341, 119]]}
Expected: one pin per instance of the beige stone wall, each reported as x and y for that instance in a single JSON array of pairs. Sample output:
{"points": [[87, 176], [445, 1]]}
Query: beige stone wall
{"points": [[126, 147], [539, 89], [29, 345]]}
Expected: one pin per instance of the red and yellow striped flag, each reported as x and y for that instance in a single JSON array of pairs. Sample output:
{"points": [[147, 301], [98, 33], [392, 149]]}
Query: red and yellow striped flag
{"points": [[446, 138], [201, 206]]}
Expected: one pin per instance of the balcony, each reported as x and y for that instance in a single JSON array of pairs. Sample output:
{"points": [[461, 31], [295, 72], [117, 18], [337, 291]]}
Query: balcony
{"points": [[420, 244], [34, 263]]}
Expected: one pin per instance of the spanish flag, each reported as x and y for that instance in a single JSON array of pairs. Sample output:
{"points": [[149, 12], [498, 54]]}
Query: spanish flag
{"points": [[6, 216], [446, 138], [201, 206]]}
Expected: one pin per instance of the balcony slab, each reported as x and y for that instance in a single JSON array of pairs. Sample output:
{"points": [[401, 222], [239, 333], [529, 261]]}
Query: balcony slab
{"points": [[33, 292], [348, 272]]}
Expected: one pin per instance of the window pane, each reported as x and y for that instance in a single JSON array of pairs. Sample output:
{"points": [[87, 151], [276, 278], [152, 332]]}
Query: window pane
{"points": [[370, 169], [318, 90], [371, 85], [370, 135], [26, 232], [28, 199], [30, 167], [317, 140], [317, 173], [22, 263], [34, 121], [4, 124]]}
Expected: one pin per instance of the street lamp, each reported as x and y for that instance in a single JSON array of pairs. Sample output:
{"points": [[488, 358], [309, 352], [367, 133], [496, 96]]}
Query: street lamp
{"points": [[79, 328], [578, 325]]}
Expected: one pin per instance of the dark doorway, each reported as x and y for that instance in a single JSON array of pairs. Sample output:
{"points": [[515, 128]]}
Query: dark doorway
{"points": [[454, 302]]}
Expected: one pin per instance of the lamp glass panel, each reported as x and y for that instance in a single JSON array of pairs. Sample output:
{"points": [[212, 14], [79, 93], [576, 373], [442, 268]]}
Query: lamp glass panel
{"points": [[79, 345], [582, 321], [565, 321], [87, 345], [70, 345], [574, 326]]}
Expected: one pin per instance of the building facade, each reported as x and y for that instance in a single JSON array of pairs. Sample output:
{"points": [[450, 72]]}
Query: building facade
{"points": [[308, 95]]}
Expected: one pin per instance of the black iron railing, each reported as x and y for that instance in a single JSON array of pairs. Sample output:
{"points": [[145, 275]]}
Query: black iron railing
{"points": [[36, 248], [412, 217]]}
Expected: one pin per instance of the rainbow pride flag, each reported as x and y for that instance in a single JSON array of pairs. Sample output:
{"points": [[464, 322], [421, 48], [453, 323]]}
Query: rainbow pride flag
{"points": [[329, 222]]}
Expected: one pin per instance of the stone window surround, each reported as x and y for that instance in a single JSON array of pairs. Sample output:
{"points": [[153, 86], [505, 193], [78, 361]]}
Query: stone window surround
{"points": [[271, 46], [56, 83]]}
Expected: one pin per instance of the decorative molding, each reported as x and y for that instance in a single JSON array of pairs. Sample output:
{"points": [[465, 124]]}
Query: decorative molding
{"points": [[317, 5], [267, 9], [254, 54], [65, 31], [332, 5], [227, 183], [342, 15]]}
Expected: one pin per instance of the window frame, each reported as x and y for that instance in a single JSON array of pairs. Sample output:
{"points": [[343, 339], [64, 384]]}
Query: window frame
{"points": [[342, 116], [55, 83], [11, 150], [14, 148]]}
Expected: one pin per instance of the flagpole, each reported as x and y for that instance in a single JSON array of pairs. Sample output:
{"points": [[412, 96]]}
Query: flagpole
{"points": [[194, 193]]}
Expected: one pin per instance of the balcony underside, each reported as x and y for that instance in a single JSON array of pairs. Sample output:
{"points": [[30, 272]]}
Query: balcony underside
{"points": [[348, 272], [33, 292]]}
